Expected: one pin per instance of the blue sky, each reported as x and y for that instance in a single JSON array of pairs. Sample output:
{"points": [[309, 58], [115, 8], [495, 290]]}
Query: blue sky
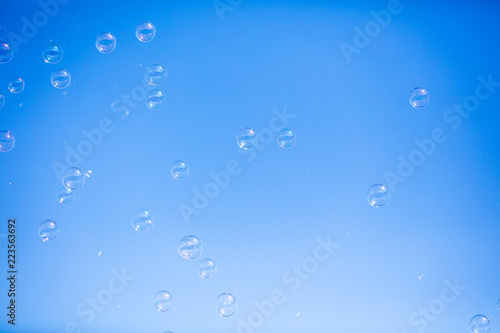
{"points": [[267, 66]]}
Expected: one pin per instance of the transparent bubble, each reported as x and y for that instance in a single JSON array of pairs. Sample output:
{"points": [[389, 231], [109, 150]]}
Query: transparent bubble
{"points": [[246, 138], [419, 97], [156, 74], [179, 170], [207, 268], [61, 79], [143, 220], [6, 53], [48, 230], [145, 31], [378, 195], [480, 324], [73, 179], [190, 247], [155, 99], [7, 141], [16, 85], [2, 100], [52, 53], [65, 196], [88, 174], [226, 305], [163, 301], [286, 138], [105, 42]]}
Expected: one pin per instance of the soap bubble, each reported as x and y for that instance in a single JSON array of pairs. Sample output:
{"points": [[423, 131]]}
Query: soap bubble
{"points": [[155, 99], [419, 97], [105, 42], [48, 230], [16, 85], [179, 170], [207, 268], [378, 195], [145, 31], [88, 174], [226, 305], [190, 247], [286, 138], [156, 74], [61, 79], [2, 100], [163, 301], [7, 141], [6, 53], [246, 138], [52, 53], [73, 179], [143, 220], [65, 196], [480, 324]]}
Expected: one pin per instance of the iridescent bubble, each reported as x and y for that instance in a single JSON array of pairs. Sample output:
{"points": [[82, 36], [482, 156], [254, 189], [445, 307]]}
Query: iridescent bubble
{"points": [[179, 170], [145, 31], [207, 268], [61, 79], [52, 53], [155, 99], [156, 74], [419, 97], [143, 220], [73, 179], [6, 53], [480, 324], [105, 42], [7, 141], [378, 195], [246, 138], [65, 196], [2, 100], [48, 230], [190, 247], [286, 138], [163, 301], [16, 85], [226, 305]]}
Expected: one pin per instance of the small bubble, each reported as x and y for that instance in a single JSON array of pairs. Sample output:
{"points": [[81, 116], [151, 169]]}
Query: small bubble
{"points": [[73, 179], [142, 220], [6, 53], [286, 138], [61, 79], [105, 42], [226, 305], [179, 170], [163, 301], [378, 195], [246, 138], [20, 105], [99, 254], [2, 100], [155, 99], [65, 196], [16, 85], [52, 53], [419, 98], [480, 324], [145, 31], [207, 268], [421, 276], [88, 174], [156, 74], [48, 230], [7, 141], [190, 247]]}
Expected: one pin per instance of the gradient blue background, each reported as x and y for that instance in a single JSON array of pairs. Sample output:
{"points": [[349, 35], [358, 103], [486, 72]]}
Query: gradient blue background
{"points": [[352, 122]]}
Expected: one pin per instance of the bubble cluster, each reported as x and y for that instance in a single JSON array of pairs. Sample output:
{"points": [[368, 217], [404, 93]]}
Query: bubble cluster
{"points": [[7, 141], [226, 305], [145, 31], [156, 74], [378, 195], [480, 324], [73, 179], [61, 79], [142, 220], [16, 85], [419, 98], [48, 230], [246, 138], [64, 195], [6, 53], [2, 100], [105, 42], [207, 268], [190, 247], [155, 99], [52, 53], [163, 301], [286, 138], [179, 170]]}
